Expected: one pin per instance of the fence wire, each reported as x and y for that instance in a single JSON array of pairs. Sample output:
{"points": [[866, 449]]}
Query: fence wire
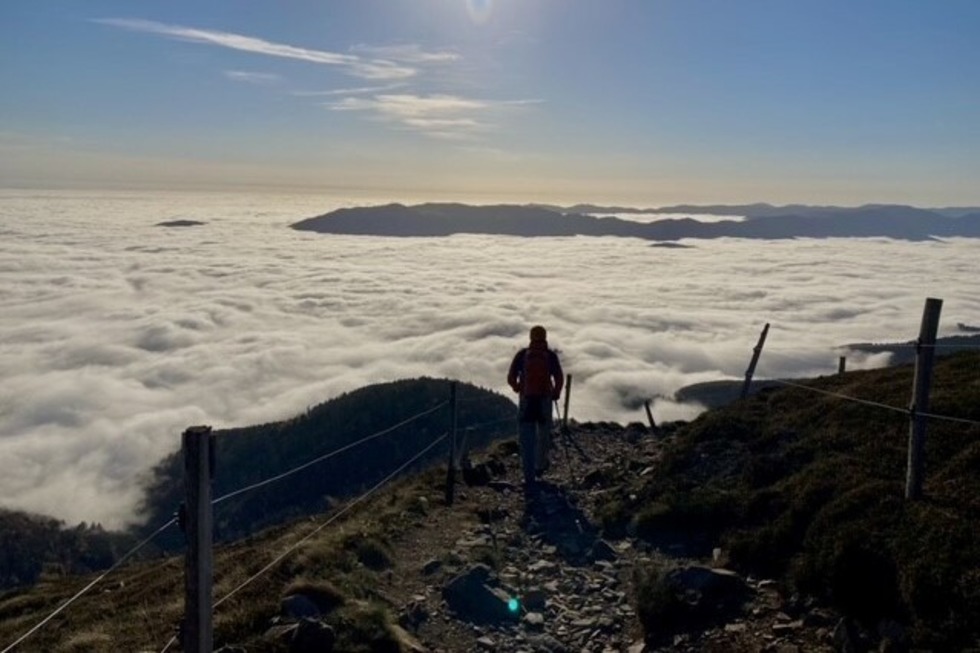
{"points": [[325, 456], [92, 584], [350, 505], [332, 519], [876, 404]]}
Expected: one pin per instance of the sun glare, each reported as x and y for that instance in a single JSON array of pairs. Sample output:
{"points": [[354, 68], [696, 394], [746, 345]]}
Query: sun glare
{"points": [[479, 10]]}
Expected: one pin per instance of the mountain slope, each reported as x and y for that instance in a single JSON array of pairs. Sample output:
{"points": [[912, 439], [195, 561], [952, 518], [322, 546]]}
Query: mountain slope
{"points": [[808, 487], [790, 484], [249, 455]]}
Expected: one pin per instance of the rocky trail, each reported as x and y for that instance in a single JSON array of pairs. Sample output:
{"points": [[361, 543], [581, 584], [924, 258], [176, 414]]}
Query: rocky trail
{"points": [[496, 572]]}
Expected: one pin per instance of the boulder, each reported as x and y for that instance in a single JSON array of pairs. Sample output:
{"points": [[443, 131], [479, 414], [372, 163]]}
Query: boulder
{"points": [[471, 597]]}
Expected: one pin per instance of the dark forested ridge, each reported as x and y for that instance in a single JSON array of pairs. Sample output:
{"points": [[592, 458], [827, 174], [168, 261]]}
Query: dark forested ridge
{"points": [[251, 454], [763, 222], [31, 545]]}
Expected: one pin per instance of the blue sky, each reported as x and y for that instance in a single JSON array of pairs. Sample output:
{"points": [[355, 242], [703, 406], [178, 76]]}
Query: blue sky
{"points": [[642, 102]]}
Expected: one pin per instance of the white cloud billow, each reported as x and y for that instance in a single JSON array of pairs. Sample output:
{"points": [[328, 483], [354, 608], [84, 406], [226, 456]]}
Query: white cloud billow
{"points": [[117, 334]]}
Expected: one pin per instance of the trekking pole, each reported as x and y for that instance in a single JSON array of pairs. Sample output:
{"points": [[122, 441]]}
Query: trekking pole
{"points": [[564, 445], [566, 436]]}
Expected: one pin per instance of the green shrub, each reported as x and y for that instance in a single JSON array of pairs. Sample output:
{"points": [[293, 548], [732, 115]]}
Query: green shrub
{"points": [[373, 554], [703, 511], [613, 516], [658, 608], [365, 628]]}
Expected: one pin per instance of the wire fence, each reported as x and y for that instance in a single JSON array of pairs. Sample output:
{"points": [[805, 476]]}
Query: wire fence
{"points": [[916, 345], [129, 554], [908, 411], [92, 584], [839, 395], [331, 454], [347, 508]]}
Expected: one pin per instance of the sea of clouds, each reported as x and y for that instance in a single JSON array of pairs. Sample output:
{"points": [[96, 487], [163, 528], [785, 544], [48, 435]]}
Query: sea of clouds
{"points": [[117, 334]]}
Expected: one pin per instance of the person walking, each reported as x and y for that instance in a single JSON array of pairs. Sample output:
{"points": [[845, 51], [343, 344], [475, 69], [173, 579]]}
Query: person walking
{"points": [[536, 376]]}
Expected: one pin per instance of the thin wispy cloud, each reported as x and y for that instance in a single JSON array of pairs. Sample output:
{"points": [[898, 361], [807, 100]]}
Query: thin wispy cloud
{"points": [[444, 116], [352, 64], [408, 53], [357, 90], [260, 79], [438, 115]]}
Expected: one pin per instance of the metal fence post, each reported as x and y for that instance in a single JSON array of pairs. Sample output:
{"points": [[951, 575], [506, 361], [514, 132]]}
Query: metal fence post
{"points": [[924, 355], [451, 469], [197, 632]]}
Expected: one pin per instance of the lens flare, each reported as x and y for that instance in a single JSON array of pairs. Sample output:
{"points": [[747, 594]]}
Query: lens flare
{"points": [[513, 605]]}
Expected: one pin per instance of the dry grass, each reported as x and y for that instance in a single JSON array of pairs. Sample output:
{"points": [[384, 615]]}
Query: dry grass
{"points": [[138, 606]]}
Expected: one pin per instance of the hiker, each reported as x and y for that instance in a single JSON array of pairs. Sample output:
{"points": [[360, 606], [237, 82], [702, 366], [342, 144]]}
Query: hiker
{"points": [[536, 375]]}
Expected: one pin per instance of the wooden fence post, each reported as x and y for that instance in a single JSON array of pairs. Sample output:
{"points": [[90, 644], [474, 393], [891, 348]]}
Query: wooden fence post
{"points": [[653, 424], [924, 355], [197, 633], [755, 359], [451, 471], [841, 365]]}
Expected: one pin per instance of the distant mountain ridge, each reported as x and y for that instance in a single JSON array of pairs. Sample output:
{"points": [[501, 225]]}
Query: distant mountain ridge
{"points": [[763, 221]]}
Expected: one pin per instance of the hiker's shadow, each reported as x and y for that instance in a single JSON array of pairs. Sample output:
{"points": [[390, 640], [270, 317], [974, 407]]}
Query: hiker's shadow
{"points": [[551, 514]]}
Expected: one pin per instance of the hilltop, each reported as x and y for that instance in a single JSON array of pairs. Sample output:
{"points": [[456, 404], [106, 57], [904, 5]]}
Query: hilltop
{"points": [[797, 494], [247, 455], [763, 222]]}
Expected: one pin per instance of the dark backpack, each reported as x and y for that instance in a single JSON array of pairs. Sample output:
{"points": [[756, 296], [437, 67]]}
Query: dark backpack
{"points": [[537, 372]]}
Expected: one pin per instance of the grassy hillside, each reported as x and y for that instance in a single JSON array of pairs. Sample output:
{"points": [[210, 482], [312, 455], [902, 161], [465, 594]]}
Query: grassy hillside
{"points": [[809, 488], [139, 605], [245, 456], [34, 545]]}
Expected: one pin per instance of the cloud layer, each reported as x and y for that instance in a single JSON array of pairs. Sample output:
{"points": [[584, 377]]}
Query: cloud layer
{"points": [[116, 334]]}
